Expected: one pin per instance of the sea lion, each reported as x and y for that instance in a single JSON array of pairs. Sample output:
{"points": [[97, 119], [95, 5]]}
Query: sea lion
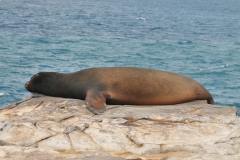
{"points": [[119, 86]]}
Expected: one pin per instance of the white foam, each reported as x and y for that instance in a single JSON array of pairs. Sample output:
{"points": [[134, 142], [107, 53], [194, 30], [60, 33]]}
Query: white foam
{"points": [[1, 94], [141, 18], [215, 67]]}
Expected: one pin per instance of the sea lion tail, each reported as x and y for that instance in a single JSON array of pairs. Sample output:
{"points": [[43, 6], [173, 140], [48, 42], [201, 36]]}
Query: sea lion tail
{"points": [[210, 100]]}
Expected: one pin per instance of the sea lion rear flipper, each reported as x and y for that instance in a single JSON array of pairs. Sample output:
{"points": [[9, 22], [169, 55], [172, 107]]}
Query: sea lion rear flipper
{"points": [[210, 100], [96, 101]]}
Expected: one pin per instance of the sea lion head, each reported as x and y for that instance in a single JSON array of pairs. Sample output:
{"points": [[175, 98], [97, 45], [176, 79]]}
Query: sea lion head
{"points": [[42, 82]]}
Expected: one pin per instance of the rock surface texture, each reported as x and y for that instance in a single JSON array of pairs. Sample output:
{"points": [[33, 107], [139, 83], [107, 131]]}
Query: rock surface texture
{"points": [[42, 127]]}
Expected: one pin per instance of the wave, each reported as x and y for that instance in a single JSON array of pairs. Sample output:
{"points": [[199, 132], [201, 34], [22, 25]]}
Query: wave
{"points": [[141, 18], [184, 42], [215, 67], [1, 94]]}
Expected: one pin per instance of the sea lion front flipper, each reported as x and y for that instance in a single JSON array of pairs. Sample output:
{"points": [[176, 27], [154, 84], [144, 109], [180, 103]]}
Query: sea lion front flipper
{"points": [[96, 101]]}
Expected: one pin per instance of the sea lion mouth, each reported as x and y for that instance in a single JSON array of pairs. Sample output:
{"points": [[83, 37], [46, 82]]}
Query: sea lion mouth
{"points": [[26, 85]]}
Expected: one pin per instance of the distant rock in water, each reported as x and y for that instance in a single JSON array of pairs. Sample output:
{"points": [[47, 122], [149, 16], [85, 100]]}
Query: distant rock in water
{"points": [[42, 127]]}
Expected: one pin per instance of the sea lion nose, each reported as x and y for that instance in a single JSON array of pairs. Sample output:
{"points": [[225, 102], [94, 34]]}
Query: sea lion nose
{"points": [[26, 84]]}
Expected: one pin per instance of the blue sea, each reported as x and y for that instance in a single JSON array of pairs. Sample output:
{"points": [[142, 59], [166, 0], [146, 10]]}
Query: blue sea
{"points": [[197, 38]]}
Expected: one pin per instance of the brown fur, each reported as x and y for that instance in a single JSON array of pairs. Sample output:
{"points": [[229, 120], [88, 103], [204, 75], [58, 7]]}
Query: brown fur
{"points": [[120, 86]]}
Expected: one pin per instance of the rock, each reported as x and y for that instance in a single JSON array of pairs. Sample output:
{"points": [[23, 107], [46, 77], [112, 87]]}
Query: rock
{"points": [[42, 127]]}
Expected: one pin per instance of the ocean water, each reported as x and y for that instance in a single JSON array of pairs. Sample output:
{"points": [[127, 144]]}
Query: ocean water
{"points": [[200, 39]]}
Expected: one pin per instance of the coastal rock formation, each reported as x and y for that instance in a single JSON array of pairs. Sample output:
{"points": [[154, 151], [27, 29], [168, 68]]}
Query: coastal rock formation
{"points": [[42, 127]]}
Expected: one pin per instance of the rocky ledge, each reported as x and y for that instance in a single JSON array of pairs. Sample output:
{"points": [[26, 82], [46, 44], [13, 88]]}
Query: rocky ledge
{"points": [[42, 127]]}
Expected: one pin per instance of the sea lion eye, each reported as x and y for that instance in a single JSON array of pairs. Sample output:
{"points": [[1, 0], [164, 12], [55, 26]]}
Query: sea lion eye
{"points": [[32, 77], [35, 75]]}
